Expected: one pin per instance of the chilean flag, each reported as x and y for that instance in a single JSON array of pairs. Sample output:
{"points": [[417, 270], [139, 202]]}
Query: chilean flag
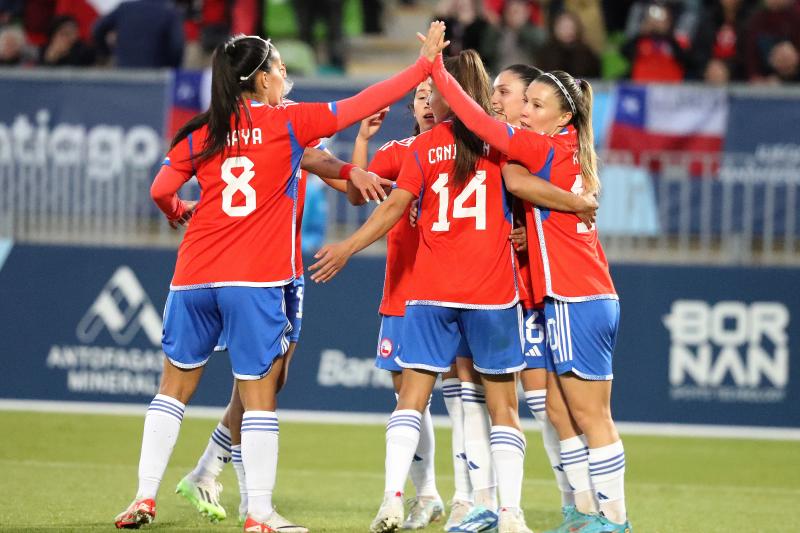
{"points": [[650, 119]]}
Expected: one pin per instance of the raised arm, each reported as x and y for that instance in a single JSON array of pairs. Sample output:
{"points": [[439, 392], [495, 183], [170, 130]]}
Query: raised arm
{"points": [[496, 133]]}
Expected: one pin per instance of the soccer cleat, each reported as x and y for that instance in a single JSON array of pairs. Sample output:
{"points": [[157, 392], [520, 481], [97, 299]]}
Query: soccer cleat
{"points": [[512, 521], [274, 523], [390, 515], [423, 511], [478, 519], [204, 496], [458, 511], [600, 524], [253, 525], [138, 513], [574, 520]]}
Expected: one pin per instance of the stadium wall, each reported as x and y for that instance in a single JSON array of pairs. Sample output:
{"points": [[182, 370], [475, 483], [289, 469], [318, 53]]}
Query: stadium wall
{"points": [[698, 345]]}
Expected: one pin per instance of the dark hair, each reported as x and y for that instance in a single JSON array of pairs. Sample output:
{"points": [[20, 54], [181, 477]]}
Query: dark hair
{"points": [[575, 96], [526, 73], [468, 70], [233, 66], [416, 129]]}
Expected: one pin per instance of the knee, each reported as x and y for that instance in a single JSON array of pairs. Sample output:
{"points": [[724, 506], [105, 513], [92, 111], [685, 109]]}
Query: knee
{"points": [[588, 417], [557, 413], [504, 414]]}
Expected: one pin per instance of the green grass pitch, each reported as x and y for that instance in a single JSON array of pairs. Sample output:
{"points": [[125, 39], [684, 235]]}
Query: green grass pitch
{"points": [[76, 472]]}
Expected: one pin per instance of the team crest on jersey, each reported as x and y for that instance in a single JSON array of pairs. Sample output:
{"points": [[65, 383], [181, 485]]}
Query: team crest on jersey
{"points": [[386, 347]]}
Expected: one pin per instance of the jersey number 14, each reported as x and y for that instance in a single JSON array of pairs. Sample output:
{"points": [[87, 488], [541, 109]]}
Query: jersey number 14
{"points": [[476, 186]]}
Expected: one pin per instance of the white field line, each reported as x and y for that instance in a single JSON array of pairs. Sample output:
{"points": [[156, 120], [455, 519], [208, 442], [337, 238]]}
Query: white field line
{"points": [[341, 417], [534, 482]]}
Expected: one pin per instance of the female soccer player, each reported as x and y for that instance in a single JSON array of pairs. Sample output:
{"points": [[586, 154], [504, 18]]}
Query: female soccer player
{"points": [[401, 248], [200, 486], [580, 294], [463, 216], [508, 103], [238, 253]]}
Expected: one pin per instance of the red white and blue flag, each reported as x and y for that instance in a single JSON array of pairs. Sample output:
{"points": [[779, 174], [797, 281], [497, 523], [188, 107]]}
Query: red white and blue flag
{"points": [[651, 119]]}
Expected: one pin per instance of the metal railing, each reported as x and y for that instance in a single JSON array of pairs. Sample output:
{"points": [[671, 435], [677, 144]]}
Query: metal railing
{"points": [[668, 208]]}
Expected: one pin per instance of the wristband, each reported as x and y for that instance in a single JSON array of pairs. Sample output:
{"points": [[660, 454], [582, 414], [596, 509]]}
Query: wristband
{"points": [[344, 172]]}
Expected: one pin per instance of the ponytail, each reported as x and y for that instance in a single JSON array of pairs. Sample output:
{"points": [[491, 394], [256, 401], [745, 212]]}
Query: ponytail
{"points": [[587, 156], [233, 67], [575, 97], [467, 68]]}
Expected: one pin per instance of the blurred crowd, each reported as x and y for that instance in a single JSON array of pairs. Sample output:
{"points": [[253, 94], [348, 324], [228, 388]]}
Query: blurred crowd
{"points": [[717, 41]]}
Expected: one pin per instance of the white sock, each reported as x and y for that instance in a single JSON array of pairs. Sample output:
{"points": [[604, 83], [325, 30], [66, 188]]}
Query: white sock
{"points": [[402, 437], [451, 389], [575, 462], [162, 423], [260, 459], [508, 454], [422, 471], [216, 454], [238, 467], [476, 445], [607, 468], [536, 401]]}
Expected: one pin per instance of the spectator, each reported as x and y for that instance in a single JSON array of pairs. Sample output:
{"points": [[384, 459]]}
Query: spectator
{"points": [[493, 12], [14, 49], [519, 40], [777, 21], [654, 54], [720, 38], [467, 28], [64, 47], [785, 62], [142, 34], [331, 12], [567, 51], [684, 14], [590, 15]]}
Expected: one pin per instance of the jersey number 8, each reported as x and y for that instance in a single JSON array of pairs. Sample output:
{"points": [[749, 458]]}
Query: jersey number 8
{"points": [[236, 184], [475, 186]]}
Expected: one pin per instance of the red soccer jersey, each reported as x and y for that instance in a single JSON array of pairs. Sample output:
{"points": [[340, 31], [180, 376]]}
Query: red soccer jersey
{"points": [[402, 239], [524, 281], [302, 181], [464, 258], [243, 232], [574, 266]]}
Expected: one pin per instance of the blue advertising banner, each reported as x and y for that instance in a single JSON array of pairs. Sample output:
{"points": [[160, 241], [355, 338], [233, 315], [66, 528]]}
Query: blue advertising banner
{"points": [[76, 140], [696, 345]]}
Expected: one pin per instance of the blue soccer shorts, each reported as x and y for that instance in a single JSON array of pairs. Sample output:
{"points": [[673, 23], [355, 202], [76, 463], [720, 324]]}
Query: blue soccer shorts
{"points": [[389, 343], [252, 320], [535, 340], [293, 297], [581, 336], [434, 335]]}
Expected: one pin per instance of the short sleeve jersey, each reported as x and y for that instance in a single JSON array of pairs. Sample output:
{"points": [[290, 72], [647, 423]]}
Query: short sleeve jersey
{"points": [[464, 258], [574, 266], [402, 239], [243, 232]]}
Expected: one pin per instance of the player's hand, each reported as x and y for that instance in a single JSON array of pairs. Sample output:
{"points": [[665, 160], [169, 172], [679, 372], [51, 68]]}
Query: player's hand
{"points": [[370, 185], [433, 43], [332, 258], [188, 212], [519, 239], [587, 209], [413, 213], [371, 125]]}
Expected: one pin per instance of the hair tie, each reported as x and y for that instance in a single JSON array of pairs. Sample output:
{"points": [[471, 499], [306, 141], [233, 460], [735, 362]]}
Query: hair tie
{"points": [[266, 56], [563, 91]]}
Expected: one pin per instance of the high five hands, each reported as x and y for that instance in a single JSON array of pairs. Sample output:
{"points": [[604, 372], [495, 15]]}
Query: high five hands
{"points": [[433, 43]]}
